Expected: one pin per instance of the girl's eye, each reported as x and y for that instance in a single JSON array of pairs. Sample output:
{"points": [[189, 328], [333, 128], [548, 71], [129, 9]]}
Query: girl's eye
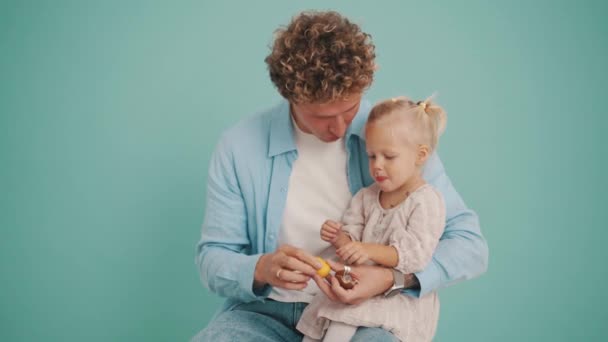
{"points": [[371, 157], [390, 157]]}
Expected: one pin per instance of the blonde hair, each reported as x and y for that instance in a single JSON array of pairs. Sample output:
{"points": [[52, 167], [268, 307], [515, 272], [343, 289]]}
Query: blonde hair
{"points": [[427, 119]]}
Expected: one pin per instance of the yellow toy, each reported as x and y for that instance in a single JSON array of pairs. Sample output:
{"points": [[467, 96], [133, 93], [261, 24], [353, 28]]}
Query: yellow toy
{"points": [[325, 269]]}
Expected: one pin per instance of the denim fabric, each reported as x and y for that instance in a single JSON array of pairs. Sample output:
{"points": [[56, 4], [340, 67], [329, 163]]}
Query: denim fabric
{"points": [[269, 321]]}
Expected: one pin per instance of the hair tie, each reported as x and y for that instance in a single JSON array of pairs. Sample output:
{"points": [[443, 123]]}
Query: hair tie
{"points": [[422, 104]]}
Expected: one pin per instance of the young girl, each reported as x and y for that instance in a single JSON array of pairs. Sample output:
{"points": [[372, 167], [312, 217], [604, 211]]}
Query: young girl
{"points": [[396, 222]]}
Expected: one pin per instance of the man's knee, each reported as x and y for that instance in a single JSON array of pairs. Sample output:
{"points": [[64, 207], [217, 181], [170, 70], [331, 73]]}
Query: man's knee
{"points": [[243, 326], [365, 334], [229, 326]]}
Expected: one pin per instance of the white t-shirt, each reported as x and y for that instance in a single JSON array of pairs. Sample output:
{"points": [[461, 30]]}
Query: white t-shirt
{"points": [[318, 191]]}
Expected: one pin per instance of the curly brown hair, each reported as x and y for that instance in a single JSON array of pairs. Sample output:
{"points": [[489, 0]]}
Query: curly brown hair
{"points": [[321, 57]]}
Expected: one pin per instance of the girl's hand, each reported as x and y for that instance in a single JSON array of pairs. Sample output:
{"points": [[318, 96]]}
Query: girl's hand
{"points": [[330, 231], [354, 253]]}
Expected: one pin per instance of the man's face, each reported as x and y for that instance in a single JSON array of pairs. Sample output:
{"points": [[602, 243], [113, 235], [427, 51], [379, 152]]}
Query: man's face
{"points": [[327, 121]]}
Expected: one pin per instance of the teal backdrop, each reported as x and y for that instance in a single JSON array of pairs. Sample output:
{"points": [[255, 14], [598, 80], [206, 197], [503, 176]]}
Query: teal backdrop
{"points": [[109, 111]]}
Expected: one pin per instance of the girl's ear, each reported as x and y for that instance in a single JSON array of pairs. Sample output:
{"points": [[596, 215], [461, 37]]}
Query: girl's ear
{"points": [[423, 154]]}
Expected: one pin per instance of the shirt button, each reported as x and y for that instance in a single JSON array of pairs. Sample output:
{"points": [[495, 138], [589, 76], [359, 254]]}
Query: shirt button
{"points": [[283, 189], [271, 237]]}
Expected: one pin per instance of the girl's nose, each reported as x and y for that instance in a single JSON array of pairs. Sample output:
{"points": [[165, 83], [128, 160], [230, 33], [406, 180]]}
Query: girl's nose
{"points": [[377, 164]]}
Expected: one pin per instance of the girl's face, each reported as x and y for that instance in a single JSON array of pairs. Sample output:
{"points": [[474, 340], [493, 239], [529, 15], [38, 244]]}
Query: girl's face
{"points": [[392, 159]]}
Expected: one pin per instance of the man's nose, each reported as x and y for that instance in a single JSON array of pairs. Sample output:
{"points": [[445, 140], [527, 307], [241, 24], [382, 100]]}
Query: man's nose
{"points": [[338, 127]]}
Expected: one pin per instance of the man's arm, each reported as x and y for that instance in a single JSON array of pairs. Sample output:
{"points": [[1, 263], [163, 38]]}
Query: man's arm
{"points": [[224, 267], [222, 254], [462, 252]]}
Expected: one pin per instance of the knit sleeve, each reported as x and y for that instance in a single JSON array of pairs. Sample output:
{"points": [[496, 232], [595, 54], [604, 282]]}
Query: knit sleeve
{"points": [[353, 220], [416, 240]]}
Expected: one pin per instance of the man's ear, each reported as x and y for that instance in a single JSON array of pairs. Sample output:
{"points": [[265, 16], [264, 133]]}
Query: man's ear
{"points": [[423, 154]]}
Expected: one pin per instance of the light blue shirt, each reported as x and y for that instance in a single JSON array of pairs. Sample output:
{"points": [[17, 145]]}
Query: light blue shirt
{"points": [[246, 193]]}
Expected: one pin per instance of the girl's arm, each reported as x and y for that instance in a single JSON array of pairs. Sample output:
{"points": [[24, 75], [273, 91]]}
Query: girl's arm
{"points": [[382, 255], [357, 253], [353, 220], [342, 240]]}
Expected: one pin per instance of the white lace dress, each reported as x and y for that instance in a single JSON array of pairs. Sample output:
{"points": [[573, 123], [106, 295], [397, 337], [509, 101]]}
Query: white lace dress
{"points": [[413, 228]]}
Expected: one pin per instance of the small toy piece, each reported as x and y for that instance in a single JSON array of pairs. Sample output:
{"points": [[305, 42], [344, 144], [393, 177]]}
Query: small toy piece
{"points": [[345, 279]]}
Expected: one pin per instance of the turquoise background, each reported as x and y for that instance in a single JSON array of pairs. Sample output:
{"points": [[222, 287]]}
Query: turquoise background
{"points": [[109, 111]]}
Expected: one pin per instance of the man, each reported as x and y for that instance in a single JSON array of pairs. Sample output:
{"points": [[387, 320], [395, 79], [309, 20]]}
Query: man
{"points": [[274, 178]]}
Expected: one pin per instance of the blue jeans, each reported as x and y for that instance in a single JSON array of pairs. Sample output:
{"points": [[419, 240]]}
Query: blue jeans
{"points": [[271, 321]]}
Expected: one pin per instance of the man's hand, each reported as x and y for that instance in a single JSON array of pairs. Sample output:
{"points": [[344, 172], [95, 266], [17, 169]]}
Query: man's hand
{"points": [[330, 231], [371, 281], [354, 253], [288, 267]]}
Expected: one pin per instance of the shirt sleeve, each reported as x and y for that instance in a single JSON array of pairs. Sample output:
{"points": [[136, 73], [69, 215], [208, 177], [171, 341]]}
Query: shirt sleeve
{"points": [[462, 252], [224, 265], [416, 243], [353, 220]]}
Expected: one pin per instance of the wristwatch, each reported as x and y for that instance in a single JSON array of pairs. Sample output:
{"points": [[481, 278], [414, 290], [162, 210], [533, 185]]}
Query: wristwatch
{"points": [[398, 284]]}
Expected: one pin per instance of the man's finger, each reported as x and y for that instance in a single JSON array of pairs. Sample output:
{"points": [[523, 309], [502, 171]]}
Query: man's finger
{"points": [[303, 256], [342, 294], [336, 266], [294, 276], [294, 264], [309, 259], [324, 286]]}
